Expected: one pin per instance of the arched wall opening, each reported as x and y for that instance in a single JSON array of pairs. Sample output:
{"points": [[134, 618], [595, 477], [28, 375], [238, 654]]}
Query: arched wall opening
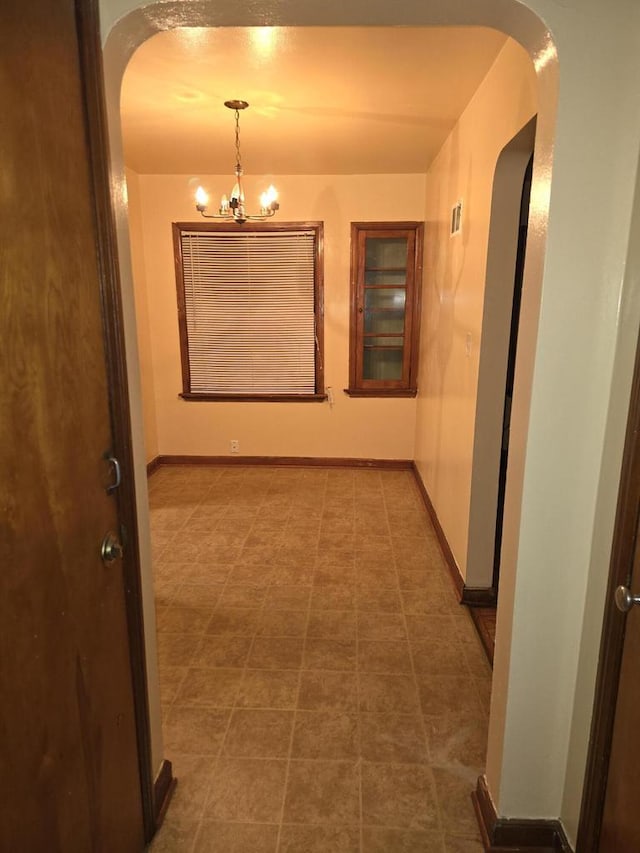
{"points": [[123, 41], [494, 353], [527, 762]]}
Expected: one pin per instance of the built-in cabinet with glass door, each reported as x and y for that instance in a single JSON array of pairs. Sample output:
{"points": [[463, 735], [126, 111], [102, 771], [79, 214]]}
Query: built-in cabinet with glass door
{"points": [[386, 269]]}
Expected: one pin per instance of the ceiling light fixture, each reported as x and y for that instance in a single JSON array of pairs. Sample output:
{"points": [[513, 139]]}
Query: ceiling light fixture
{"points": [[232, 208]]}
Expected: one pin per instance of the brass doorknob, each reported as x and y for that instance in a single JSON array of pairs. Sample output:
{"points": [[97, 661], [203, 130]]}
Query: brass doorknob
{"points": [[111, 548], [625, 599]]}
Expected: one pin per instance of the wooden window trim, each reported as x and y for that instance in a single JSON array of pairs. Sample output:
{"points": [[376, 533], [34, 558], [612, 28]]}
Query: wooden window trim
{"points": [[318, 287], [386, 388]]}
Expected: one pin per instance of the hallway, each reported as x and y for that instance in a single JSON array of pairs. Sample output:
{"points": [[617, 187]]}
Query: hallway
{"points": [[322, 689]]}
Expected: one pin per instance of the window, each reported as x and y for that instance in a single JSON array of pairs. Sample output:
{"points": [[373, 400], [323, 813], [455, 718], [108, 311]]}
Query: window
{"points": [[250, 310], [386, 269]]}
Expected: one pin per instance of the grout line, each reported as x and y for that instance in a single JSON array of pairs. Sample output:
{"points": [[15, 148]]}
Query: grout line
{"points": [[297, 695], [415, 684]]}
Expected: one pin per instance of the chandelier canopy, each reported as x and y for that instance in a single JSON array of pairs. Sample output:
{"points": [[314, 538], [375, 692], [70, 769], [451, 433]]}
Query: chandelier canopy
{"points": [[232, 208]]}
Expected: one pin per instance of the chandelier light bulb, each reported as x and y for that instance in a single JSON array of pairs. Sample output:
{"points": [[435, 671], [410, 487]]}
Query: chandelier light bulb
{"points": [[202, 199]]}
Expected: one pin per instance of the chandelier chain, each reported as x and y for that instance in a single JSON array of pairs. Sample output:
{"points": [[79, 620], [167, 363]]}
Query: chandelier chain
{"points": [[238, 161]]}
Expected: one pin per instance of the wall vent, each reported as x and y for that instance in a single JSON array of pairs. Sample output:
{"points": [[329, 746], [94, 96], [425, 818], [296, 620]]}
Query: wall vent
{"points": [[456, 218]]}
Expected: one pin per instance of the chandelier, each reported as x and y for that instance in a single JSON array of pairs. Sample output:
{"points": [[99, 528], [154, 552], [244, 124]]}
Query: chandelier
{"points": [[232, 209]]}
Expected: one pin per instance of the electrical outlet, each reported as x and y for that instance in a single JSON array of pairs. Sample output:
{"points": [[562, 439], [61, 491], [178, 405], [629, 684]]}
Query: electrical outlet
{"points": [[235, 445]]}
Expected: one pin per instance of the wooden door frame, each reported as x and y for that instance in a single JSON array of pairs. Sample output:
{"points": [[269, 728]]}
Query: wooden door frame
{"points": [[91, 71], [613, 632]]}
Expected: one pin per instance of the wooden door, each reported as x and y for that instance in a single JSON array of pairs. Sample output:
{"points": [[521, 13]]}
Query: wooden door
{"points": [[609, 819], [620, 832], [68, 749]]}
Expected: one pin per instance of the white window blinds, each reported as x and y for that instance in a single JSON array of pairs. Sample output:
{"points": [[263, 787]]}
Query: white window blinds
{"points": [[249, 309]]}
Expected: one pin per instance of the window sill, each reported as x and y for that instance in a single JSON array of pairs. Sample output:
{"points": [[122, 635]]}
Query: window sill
{"points": [[381, 392], [252, 398]]}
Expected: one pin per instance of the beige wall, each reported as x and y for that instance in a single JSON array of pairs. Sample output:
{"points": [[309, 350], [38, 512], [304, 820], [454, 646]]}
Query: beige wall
{"points": [[353, 428], [454, 290], [142, 317]]}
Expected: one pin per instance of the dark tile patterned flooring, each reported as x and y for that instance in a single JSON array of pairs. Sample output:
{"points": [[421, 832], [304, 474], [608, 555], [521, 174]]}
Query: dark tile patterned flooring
{"points": [[322, 689]]}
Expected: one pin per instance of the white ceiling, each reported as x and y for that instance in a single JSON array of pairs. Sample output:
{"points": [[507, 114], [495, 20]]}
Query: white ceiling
{"points": [[323, 100]]}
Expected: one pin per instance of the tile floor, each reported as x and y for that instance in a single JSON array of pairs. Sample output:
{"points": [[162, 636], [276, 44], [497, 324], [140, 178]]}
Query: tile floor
{"points": [[322, 690]]}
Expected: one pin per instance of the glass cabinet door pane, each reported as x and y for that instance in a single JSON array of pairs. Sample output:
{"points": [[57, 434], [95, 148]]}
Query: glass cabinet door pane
{"points": [[389, 323], [386, 341], [384, 311], [386, 253], [382, 364], [385, 299], [391, 277]]}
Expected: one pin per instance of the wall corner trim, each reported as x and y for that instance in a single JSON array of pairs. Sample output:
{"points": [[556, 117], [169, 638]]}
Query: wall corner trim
{"points": [[153, 465], [510, 834], [469, 595], [163, 788]]}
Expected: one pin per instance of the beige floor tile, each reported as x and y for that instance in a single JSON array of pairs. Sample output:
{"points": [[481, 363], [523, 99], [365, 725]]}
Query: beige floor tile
{"points": [[175, 836], [375, 577], [374, 560], [381, 626], [323, 792], [319, 839], [275, 653], [222, 651], [386, 693], [338, 596], [325, 735], [430, 600], [454, 786], [288, 597], [384, 656], [283, 623], [378, 599], [444, 694], [293, 574], [399, 796], [258, 574], [197, 731], [235, 621], [458, 738], [393, 738], [176, 649], [247, 790], [242, 595], [429, 626], [456, 844], [328, 575], [379, 840], [213, 688], [409, 578], [215, 572], [197, 595], [193, 774], [330, 654], [332, 624], [184, 620], [258, 734], [328, 691], [170, 678], [438, 657], [215, 837], [339, 555], [268, 689]]}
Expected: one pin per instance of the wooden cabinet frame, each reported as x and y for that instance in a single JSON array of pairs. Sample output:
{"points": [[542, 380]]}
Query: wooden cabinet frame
{"points": [[406, 386]]}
